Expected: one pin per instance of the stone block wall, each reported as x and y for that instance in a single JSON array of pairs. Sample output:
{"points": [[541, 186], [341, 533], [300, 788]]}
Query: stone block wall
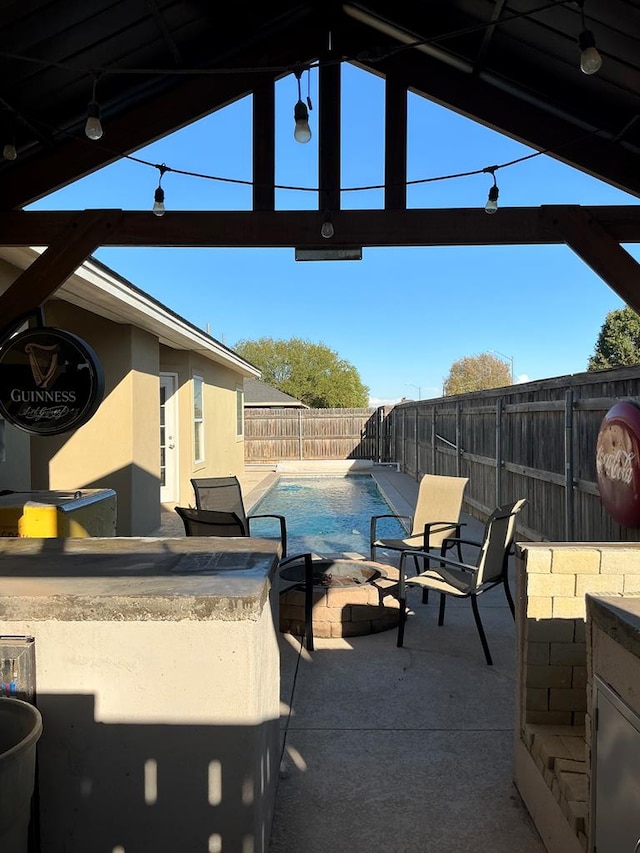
{"points": [[553, 580]]}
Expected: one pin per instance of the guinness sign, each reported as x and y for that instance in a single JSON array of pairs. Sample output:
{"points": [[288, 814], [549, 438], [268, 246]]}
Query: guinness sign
{"points": [[51, 381]]}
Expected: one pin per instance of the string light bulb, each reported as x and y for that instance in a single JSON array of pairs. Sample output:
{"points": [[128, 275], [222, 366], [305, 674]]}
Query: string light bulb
{"points": [[327, 230], [590, 59], [93, 125], [492, 200], [158, 196], [302, 131], [9, 150]]}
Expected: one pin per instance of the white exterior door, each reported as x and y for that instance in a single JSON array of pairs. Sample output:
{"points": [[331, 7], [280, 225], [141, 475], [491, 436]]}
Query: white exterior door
{"points": [[168, 437]]}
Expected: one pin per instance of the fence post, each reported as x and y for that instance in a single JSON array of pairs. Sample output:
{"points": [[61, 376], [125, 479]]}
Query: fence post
{"points": [[433, 440], [499, 452], [458, 440], [568, 465], [300, 447]]}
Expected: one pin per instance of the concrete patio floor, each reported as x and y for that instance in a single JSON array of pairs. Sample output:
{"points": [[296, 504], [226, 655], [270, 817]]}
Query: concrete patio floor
{"points": [[406, 750]]}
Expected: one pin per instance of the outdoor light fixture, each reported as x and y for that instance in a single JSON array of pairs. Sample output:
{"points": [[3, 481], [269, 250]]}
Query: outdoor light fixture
{"points": [[158, 197], [93, 126], [590, 59], [327, 230], [492, 201], [9, 151], [302, 131]]}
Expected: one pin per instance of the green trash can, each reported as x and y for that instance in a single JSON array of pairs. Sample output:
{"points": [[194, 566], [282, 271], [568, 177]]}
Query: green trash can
{"points": [[20, 730]]}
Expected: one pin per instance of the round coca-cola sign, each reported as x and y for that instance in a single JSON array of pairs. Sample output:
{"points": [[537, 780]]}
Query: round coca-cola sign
{"points": [[51, 381], [618, 463]]}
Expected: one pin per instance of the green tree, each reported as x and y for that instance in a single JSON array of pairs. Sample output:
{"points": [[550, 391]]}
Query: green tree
{"points": [[313, 373], [618, 343], [476, 373]]}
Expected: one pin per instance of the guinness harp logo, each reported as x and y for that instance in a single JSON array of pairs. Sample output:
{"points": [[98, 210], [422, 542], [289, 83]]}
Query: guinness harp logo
{"points": [[44, 363], [51, 381]]}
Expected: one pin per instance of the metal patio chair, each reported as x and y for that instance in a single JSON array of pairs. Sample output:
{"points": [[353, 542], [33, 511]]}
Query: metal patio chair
{"points": [[204, 522], [224, 494], [465, 580], [436, 516]]}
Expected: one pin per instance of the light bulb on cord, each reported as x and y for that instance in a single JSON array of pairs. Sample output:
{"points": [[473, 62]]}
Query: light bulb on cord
{"points": [[158, 202], [590, 59], [93, 126], [158, 196], [302, 131], [492, 201], [9, 151], [327, 230]]}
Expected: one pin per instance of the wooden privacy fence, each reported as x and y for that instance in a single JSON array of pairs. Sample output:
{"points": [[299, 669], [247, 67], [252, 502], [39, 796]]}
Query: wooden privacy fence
{"points": [[273, 435], [536, 441]]}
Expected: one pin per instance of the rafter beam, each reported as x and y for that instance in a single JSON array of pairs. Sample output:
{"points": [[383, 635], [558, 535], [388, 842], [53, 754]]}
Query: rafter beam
{"points": [[82, 234], [395, 144], [300, 228], [139, 123], [583, 233]]}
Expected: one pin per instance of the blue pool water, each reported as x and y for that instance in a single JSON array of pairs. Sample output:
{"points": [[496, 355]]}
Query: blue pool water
{"points": [[326, 515]]}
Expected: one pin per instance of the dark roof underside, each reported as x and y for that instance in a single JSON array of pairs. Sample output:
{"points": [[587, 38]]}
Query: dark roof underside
{"points": [[503, 64]]}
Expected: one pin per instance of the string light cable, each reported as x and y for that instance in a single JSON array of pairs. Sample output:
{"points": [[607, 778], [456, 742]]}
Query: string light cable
{"points": [[163, 168], [301, 111]]}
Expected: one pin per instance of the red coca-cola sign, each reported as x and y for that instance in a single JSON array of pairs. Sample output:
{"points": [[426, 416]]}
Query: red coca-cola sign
{"points": [[618, 463]]}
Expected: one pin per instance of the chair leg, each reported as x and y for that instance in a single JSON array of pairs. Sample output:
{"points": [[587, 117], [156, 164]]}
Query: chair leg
{"points": [[425, 591], [507, 592], [483, 639], [443, 602], [402, 619]]}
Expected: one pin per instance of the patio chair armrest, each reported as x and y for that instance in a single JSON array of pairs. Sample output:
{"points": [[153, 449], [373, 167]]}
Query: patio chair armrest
{"points": [[438, 527], [450, 541], [431, 555], [374, 523], [283, 528]]}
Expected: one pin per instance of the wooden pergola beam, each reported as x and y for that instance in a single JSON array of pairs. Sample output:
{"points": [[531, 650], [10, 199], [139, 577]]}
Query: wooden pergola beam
{"points": [[583, 233], [65, 253], [301, 228]]}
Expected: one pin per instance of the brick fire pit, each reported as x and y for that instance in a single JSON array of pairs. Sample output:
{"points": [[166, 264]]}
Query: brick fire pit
{"points": [[346, 599]]}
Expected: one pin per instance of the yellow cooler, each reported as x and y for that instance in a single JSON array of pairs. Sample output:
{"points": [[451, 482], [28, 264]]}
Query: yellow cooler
{"points": [[50, 514]]}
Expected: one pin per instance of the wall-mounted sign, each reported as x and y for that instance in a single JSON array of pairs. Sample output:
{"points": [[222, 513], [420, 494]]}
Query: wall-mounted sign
{"points": [[618, 463], [50, 381]]}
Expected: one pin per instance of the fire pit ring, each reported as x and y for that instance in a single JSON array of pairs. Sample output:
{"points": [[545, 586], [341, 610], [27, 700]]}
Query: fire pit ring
{"points": [[336, 573], [347, 599]]}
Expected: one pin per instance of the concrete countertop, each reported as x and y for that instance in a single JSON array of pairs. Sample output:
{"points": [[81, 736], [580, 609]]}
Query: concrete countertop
{"points": [[619, 617], [131, 578]]}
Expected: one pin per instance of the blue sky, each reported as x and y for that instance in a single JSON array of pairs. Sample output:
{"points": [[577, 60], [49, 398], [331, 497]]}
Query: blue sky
{"points": [[400, 316]]}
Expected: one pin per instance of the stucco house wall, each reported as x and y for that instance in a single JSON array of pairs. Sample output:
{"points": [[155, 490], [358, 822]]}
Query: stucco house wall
{"points": [[118, 447], [136, 339]]}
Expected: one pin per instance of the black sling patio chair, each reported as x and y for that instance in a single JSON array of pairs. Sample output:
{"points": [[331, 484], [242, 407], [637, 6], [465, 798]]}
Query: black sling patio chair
{"points": [[224, 494], [465, 580], [203, 522]]}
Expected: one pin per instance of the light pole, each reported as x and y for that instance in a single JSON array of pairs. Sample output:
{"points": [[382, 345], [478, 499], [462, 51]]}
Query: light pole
{"points": [[509, 358], [418, 387]]}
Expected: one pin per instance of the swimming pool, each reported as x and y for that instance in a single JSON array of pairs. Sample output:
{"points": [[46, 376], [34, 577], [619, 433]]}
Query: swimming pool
{"points": [[326, 515]]}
